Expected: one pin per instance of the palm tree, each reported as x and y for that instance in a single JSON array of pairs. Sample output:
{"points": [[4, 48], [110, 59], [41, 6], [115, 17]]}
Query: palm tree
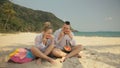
{"points": [[8, 12]]}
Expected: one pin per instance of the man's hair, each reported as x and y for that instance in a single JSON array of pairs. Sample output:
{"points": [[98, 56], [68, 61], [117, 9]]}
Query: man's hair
{"points": [[67, 22]]}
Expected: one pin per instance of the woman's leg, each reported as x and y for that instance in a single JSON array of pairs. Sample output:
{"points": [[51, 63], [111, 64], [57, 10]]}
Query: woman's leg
{"points": [[74, 52], [58, 53], [49, 50], [38, 61], [39, 54]]}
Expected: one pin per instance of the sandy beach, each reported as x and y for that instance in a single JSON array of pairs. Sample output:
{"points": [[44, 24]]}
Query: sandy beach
{"points": [[98, 52]]}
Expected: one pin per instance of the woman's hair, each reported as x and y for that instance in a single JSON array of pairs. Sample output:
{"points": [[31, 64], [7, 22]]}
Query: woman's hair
{"points": [[47, 26]]}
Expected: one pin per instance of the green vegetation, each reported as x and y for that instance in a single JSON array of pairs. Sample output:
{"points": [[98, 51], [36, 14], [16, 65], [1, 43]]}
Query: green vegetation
{"points": [[15, 18]]}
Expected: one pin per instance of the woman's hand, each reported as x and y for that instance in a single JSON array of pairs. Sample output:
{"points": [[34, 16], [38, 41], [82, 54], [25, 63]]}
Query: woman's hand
{"points": [[44, 40], [51, 37]]}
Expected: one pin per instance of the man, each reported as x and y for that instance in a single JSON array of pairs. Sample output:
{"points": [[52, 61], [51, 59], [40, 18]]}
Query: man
{"points": [[62, 36]]}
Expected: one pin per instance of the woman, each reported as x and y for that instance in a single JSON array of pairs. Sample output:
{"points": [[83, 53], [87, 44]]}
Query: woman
{"points": [[44, 44]]}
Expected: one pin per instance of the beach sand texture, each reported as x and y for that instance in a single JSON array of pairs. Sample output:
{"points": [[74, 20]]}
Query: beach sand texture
{"points": [[98, 52]]}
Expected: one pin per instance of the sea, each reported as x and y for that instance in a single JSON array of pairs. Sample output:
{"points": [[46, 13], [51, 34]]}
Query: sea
{"points": [[99, 34]]}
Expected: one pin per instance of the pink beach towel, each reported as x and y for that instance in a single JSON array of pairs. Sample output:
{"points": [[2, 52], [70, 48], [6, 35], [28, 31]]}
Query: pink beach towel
{"points": [[18, 60], [22, 55], [22, 52]]}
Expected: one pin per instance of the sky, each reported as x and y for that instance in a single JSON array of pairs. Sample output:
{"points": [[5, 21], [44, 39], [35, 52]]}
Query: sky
{"points": [[84, 15]]}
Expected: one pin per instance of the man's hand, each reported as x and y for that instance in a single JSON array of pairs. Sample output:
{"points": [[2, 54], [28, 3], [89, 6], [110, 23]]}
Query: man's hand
{"points": [[61, 35], [70, 34]]}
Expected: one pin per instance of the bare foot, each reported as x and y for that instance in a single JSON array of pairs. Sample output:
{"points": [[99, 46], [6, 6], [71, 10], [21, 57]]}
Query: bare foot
{"points": [[38, 61], [78, 55], [52, 62], [63, 59]]}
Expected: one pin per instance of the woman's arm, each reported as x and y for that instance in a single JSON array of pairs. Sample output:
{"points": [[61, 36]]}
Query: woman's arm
{"points": [[39, 42]]}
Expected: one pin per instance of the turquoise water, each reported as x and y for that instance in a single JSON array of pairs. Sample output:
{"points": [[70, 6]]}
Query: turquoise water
{"points": [[101, 34]]}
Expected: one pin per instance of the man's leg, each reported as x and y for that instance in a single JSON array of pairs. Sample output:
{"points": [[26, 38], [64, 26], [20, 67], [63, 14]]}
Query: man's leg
{"points": [[74, 52]]}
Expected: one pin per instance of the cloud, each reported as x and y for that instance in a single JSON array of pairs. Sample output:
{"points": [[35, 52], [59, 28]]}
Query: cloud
{"points": [[109, 18]]}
